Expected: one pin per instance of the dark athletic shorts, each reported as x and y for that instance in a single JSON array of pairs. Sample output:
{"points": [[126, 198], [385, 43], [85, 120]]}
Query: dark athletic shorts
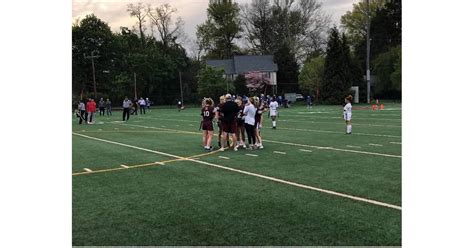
{"points": [[207, 125], [229, 127]]}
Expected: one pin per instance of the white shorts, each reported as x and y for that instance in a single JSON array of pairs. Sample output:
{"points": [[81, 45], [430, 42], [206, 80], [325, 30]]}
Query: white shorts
{"points": [[273, 113], [347, 116]]}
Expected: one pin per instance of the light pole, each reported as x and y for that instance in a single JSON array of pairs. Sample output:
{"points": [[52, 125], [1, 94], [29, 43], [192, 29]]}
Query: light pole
{"points": [[181, 86], [92, 57], [368, 51]]}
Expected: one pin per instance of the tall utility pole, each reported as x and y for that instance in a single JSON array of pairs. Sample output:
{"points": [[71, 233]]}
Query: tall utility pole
{"points": [[181, 86], [368, 51], [92, 57], [135, 80]]}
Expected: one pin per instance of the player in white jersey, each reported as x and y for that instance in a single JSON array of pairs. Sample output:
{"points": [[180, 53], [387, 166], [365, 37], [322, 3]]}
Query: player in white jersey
{"points": [[348, 114], [273, 111]]}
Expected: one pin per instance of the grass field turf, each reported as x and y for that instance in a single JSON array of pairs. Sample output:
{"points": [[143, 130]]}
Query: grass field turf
{"points": [[187, 203]]}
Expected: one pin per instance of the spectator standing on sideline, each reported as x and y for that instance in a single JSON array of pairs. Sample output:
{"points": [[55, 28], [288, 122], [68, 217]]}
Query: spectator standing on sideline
{"points": [[180, 106], [126, 105], [309, 103], [82, 111], [135, 107], [91, 108], [148, 104], [142, 104], [101, 107], [108, 106]]}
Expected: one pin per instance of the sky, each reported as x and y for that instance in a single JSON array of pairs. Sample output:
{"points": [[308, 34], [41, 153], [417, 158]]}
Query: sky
{"points": [[193, 12]]}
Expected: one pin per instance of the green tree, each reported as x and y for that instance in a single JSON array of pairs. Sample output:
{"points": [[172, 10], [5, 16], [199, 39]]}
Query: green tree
{"points": [[211, 83], [218, 34], [387, 68], [338, 76], [311, 77], [240, 85], [355, 22], [91, 35], [288, 69]]}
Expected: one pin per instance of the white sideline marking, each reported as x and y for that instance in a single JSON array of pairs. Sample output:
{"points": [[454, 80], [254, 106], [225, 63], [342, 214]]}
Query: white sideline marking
{"points": [[224, 157], [253, 155], [87, 169], [396, 143], [124, 166], [279, 152], [370, 144], [335, 149], [356, 198], [163, 126], [116, 128], [325, 131], [83, 130], [160, 163], [292, 144], [353, 146], [100, 129], [303, 150], [190, 125]]}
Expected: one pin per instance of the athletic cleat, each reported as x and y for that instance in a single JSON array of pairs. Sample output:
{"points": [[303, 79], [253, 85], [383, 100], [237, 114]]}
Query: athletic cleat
{"points": [[260, 147], [244, 146], [221, 149], [274, 127], [236, 148]]}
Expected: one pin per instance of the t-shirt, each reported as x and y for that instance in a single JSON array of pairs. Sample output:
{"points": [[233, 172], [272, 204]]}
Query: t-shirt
{"points": [[273, 106], [126, 103], [229, 111], [250, 112], [141, 102], [101, 103], [207, 113], [82, 106], [348, 109], [91, 107]]}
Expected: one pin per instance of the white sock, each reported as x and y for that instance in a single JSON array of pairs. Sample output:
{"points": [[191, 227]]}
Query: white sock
{"points": [[350, 128], [274, 123]]}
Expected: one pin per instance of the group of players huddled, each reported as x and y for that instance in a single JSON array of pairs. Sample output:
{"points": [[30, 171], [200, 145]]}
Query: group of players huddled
{"points": [[236, 116]]}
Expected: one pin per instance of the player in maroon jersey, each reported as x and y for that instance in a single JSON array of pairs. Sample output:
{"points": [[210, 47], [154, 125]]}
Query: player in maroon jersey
{"points": [[207, 113], [219, 117], [240, 124], [258, 122]]}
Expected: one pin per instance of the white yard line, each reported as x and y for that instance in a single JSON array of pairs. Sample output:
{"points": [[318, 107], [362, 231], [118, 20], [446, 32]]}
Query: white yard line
{"points": [[303, 150], [279, 152], [396, 143], [370, 144], [87, 169], [356, 198], [252, 155], [160, 163], [353, 146], [223, 157], [124, 166]]}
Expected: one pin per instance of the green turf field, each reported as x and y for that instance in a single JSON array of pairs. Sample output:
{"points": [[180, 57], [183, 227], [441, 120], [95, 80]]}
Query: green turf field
{"points": [[311, 184]]}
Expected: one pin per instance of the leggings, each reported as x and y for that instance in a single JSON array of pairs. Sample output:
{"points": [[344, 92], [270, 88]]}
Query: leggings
{"points": [[250, 133]]}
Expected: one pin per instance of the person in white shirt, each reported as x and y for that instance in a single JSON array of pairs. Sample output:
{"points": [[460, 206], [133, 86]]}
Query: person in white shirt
{"points": [[273, 111], [142, 104], [249, 113], [348, 114]]}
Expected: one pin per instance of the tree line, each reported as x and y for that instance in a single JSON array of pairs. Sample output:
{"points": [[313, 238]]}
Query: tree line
{"points": [[312, 58]]}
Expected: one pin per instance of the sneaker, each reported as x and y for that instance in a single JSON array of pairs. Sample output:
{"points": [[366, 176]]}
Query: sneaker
{"points": [[221, 149], [274, 127], [236, 148], [244, 146], [260, 147]]}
